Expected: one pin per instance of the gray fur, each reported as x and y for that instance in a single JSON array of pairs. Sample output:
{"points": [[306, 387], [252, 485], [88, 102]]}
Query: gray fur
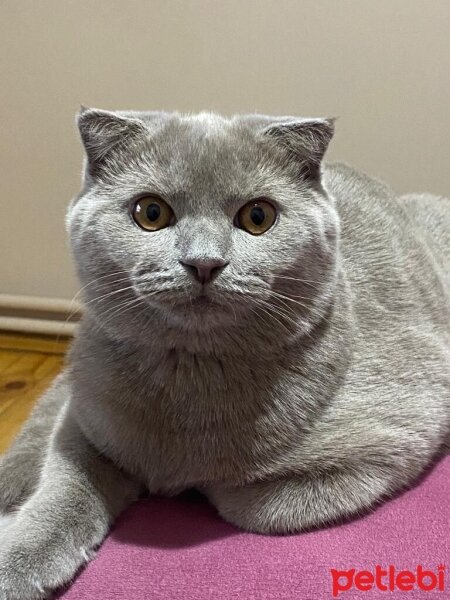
{"points": [[313, 384]]}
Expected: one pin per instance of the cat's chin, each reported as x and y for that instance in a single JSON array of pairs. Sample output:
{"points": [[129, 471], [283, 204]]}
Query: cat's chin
{"points": [[201, 302], [201, 312]]}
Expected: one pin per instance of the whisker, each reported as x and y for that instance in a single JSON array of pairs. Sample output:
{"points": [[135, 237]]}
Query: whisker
{"points": [[101, 278], [287, 298], [283, 312], [262, 306], [122, 309], [115, 309], [116, 306], [290, 320], [291, 295], [109, 294], [295, 278], [308, 282], [72, 311], [234, 312], [288, 310], [101, 286]]}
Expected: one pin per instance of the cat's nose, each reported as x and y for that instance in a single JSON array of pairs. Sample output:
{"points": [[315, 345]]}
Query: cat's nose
{"points": [[204, 269]]}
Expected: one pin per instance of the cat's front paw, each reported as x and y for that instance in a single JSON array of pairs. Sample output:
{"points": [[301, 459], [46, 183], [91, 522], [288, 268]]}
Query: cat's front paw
{"points": [[33, 572], [6, 520]]}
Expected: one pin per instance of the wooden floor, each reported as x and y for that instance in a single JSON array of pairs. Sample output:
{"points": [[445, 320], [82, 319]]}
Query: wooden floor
{"points": [[28, 364]]}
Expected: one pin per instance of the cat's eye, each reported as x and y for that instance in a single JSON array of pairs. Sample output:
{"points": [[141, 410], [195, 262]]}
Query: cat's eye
{"points": [[152, 213], [256, 217]]}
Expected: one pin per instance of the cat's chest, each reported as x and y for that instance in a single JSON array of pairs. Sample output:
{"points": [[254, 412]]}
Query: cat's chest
{"points": [[187, 419]]}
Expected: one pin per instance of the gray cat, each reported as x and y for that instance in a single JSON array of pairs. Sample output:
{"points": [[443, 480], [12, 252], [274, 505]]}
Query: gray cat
{"points": [[269, 330]]}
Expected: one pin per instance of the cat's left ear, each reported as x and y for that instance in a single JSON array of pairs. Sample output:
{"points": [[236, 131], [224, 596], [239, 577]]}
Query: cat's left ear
{"points": [[105, 134], [306, 140]]}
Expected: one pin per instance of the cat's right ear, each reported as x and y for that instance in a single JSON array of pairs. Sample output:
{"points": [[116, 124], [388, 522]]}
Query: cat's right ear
{"points": [[305, 140], [106, 134]]}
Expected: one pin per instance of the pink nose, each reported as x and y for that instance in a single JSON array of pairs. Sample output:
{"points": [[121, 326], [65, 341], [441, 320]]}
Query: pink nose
{"points": [[203, 269]]}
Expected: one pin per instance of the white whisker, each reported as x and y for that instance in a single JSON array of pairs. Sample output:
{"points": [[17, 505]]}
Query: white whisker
{"points": [[123, 308], [109, 294], [287, 298], [308, 282]]}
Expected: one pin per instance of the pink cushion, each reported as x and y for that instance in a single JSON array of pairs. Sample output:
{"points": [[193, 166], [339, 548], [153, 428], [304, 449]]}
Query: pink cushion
{"points": [[180, 549]]}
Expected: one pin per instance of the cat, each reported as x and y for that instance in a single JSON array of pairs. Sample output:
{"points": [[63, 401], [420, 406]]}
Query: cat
{"points": [[259, 325]]}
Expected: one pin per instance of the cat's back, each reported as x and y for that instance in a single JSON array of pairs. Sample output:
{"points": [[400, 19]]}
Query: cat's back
{"points": [[430, 215], [381, 229], [368, 208], [395, 250]]}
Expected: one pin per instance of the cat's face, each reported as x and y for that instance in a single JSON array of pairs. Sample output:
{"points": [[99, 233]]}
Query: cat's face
{"points": [[196, 222]]}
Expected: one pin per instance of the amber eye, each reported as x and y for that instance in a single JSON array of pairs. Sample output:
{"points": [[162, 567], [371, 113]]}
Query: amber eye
{"points": [[152, 213], [256, 217]]}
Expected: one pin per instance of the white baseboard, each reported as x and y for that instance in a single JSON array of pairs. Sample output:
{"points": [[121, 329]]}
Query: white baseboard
{"points": [[31, 314]]}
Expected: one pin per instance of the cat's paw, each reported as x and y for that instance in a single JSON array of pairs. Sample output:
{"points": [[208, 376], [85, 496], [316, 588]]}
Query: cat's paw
{"points": [[6, 520], [34, 571], [17, 482]]}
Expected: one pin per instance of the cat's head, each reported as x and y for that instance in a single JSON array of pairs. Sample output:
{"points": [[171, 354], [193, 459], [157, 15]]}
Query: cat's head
{"points": [[200, 222]]}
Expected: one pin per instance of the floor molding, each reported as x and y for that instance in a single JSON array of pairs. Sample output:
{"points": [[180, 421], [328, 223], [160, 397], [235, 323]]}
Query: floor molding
{"points": [[39, 315]]}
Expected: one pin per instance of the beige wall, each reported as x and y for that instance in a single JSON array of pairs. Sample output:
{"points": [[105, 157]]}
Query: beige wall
{"points": [[381, 65]]}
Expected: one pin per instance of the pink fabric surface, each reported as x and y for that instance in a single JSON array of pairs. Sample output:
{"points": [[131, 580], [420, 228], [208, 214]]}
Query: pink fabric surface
{"points": [[180, 549]]}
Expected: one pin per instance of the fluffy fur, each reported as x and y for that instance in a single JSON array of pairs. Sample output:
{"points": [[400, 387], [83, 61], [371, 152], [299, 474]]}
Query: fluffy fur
{"points": [[310, 383]]}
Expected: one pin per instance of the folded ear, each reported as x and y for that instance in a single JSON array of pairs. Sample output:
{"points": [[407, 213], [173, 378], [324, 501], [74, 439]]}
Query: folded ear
{"points": [[306, 141], [105, 134]]}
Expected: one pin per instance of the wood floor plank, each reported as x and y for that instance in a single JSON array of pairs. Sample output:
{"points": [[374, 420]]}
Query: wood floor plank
{"points": [[12, 419], [6, 359], [52, 364], [25, 373], [25, 365], [34, 343]]}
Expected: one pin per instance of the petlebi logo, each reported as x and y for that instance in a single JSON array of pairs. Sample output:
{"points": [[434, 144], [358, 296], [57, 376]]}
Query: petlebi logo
{"points": [[387, 579]]}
